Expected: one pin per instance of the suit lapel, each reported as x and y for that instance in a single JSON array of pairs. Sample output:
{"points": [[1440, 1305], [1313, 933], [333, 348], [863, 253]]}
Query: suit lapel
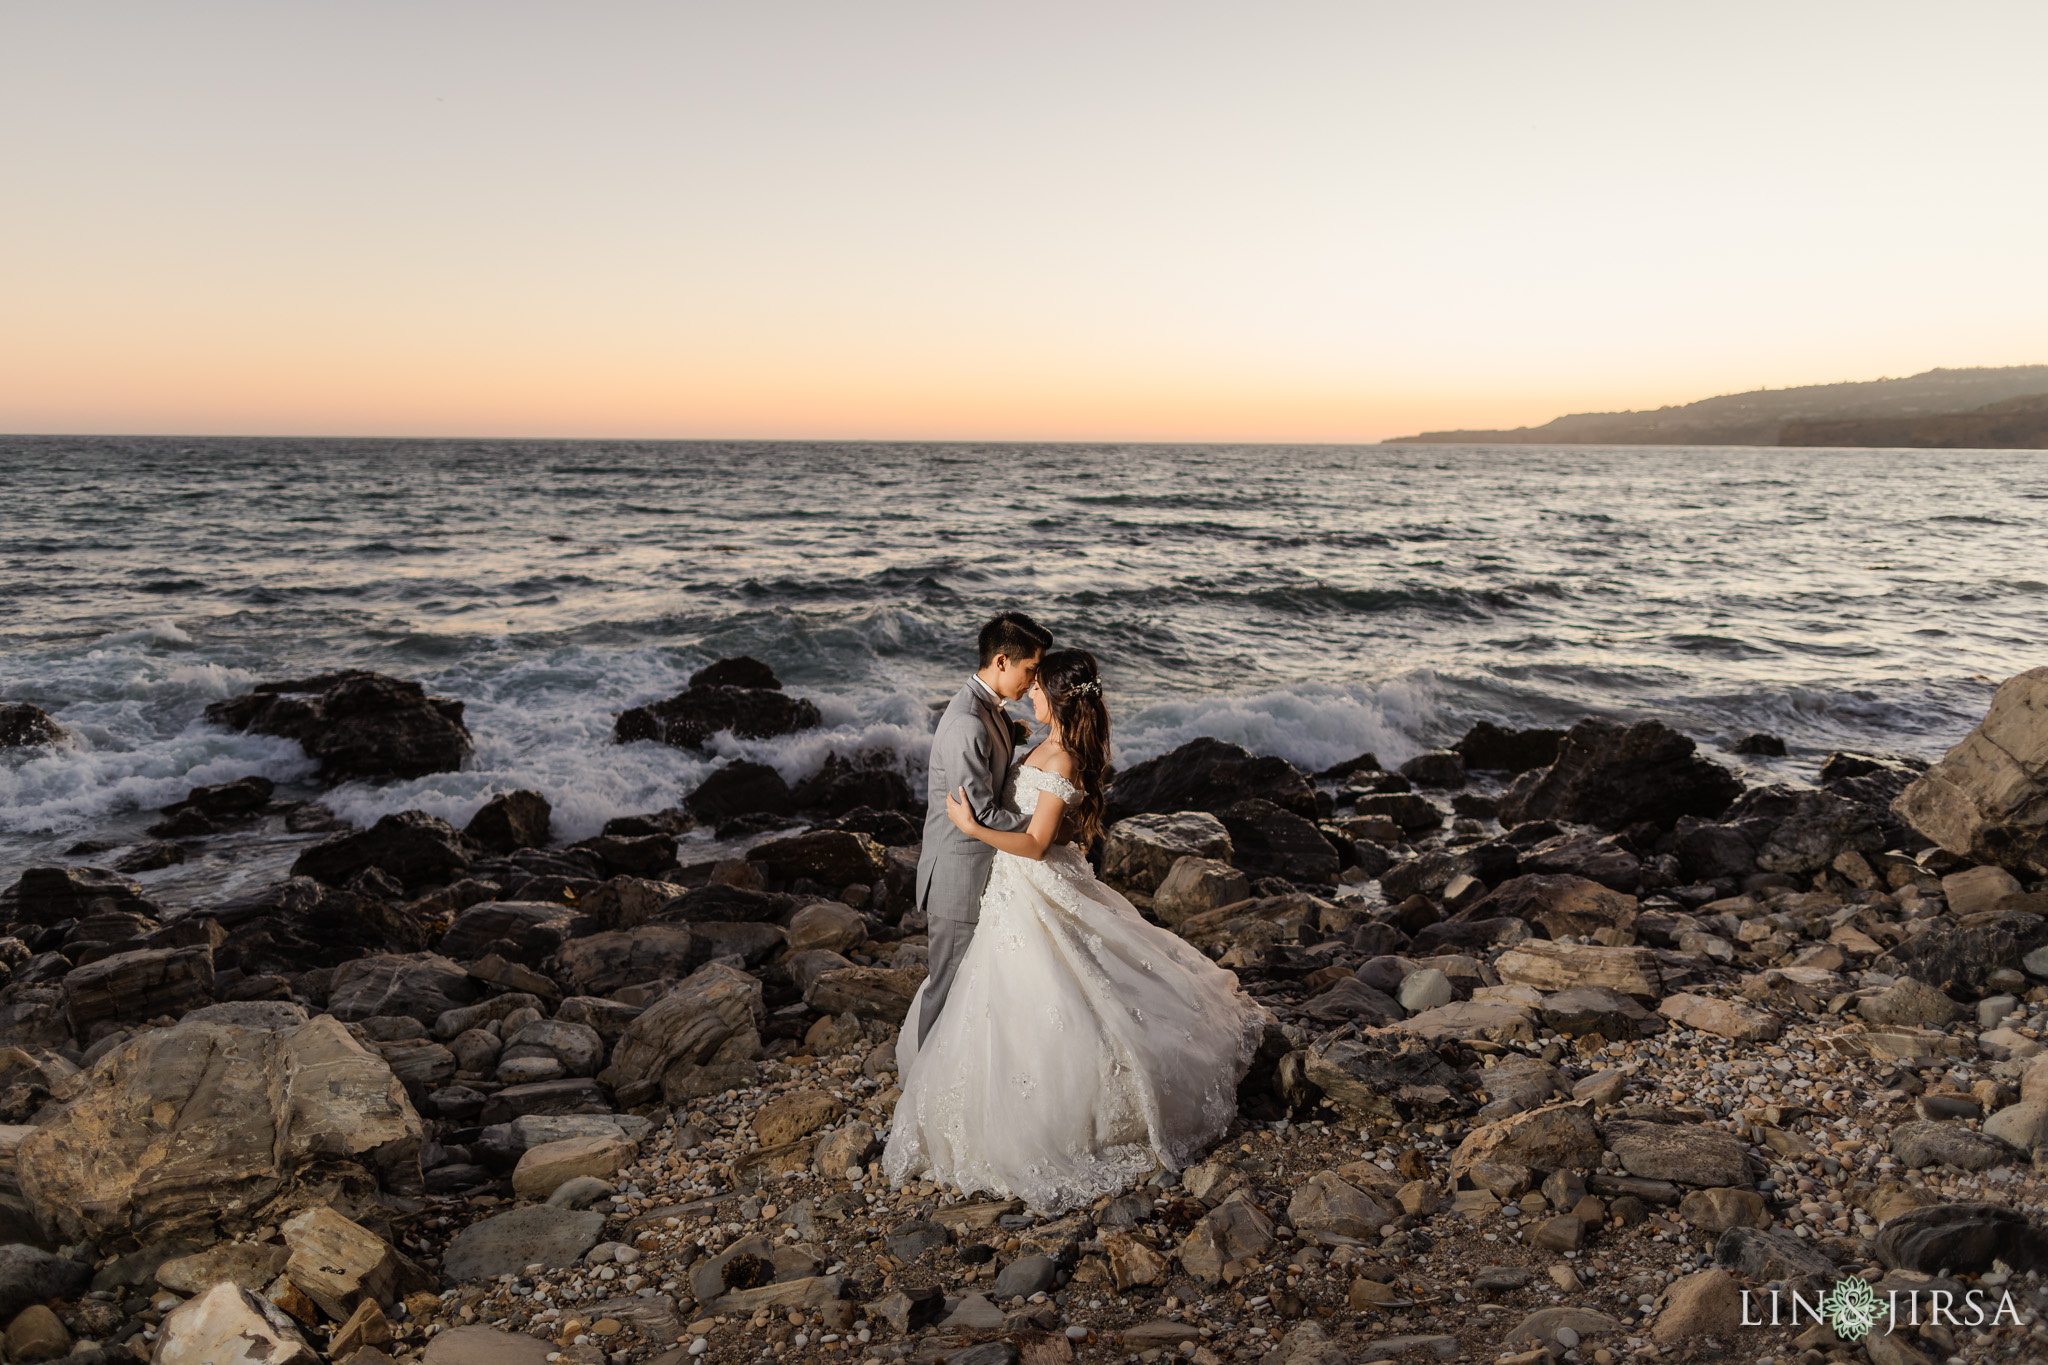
{"points": [[999, 731]]}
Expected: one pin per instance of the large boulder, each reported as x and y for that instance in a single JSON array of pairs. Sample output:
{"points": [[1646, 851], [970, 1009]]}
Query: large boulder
{"points": [[1140, 850], [229, 1325], [205, 1129], [1489, 748], [133, 987], [356, 723], [524, 931], [22, 726], [50, 895], [740, 695], [1195, 886], [602, 963], [1612, 774], [682, 1031], [511, 821], [1209, 774], [1988, 797], [741, 787], [420, 986], [414, 847], [1808, 829], [1561, 904], [878, 994], [829, 857], [1958, 955], [846, 784], [1270, 841]]}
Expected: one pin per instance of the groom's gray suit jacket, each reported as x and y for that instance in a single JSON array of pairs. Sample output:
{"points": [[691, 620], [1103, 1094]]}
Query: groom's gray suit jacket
{"points": [[972, 748]]}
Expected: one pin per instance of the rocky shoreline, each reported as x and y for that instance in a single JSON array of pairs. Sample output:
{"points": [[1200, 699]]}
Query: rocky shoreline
{"points": [[1580, 1050]]}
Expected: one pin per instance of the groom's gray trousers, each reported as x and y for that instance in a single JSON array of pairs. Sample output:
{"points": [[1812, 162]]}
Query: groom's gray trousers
{"points": [[972, 748]]}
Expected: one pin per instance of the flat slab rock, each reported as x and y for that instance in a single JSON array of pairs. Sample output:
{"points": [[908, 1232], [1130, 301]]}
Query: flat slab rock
{"points": [[486, 1346], [509, 1242], [1687, 1154]]}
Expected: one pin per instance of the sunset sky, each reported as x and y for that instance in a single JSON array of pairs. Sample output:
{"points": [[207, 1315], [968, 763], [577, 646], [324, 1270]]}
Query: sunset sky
{"points": [[1174, 221]]}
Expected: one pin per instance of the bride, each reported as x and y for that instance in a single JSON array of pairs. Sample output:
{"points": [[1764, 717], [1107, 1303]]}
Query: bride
{"points": [[1081, 1047]]}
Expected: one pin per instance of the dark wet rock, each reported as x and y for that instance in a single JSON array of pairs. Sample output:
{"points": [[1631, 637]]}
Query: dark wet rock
{"points": [[691, 717], [742, 670], [412, 846], [1561, 904], [291, 925], [1707, 850], [1614, 775], [356, 723], [1268, 841], [1463, 935], [511, 821], [149, 857], [522, 931], [1759, 746], [22, 726], [1809, 829], [226, 800], [29, 1275], [845, 784], [741, 787], [506, 1243], [1489, 748], [1958, 955], [133, 987], [1987, 799], [1442, 770], [569, 1095], [1962, 1239], [732, 904], [1209, 775], [599, 964], [1605, 861], [1394, 1076], [1762, 1256], [829, 857], [632, 855], [421, 986], [51, 895], [1948, 1143], [1426, 874], [890, 828], [1352, 999], [1414, 814]]}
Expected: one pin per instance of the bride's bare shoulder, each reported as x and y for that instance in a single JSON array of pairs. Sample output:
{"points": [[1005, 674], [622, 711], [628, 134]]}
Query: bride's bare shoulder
{"points": [[1053, 759]]}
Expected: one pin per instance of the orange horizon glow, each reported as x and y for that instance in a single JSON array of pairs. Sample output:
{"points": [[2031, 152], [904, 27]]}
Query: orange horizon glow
{"points": [[1323, 223]]}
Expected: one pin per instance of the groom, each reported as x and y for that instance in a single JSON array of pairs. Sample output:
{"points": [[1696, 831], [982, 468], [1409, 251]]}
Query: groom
{"points": [[972, 748]]}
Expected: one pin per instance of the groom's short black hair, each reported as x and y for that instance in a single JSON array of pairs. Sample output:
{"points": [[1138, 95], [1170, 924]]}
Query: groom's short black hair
{"points": [[1014, 634]]}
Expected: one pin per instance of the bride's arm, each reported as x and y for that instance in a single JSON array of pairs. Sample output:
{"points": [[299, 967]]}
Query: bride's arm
{"points": [[1030, 842]]}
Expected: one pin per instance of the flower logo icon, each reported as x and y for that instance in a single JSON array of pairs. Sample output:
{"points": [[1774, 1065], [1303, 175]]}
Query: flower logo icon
{"points": [[1852, 1308]]}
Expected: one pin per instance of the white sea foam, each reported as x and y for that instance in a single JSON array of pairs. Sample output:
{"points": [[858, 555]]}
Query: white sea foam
{"points": [[1313, 726]]}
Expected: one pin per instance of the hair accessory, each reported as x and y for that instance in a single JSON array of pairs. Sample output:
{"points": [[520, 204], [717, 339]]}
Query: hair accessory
{"points": [[1091, 688]]}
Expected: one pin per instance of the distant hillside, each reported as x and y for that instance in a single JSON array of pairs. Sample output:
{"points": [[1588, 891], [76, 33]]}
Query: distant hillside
{"points": [[2016, 424], [1760, 418]]}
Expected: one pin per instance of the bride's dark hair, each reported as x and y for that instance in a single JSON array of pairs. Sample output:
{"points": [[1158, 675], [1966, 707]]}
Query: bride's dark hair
{"points": [[1073, 688]]}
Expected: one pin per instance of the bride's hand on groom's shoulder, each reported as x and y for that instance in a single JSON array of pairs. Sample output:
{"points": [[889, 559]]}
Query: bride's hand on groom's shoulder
{"points": [[959, 812]]}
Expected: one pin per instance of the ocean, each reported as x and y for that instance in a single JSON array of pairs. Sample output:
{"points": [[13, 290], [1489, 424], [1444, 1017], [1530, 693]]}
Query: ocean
{"points": [[1311, 601]]}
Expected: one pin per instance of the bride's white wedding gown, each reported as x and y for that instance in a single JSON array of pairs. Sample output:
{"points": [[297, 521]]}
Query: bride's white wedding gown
{"points": [[1081, 1046]]}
